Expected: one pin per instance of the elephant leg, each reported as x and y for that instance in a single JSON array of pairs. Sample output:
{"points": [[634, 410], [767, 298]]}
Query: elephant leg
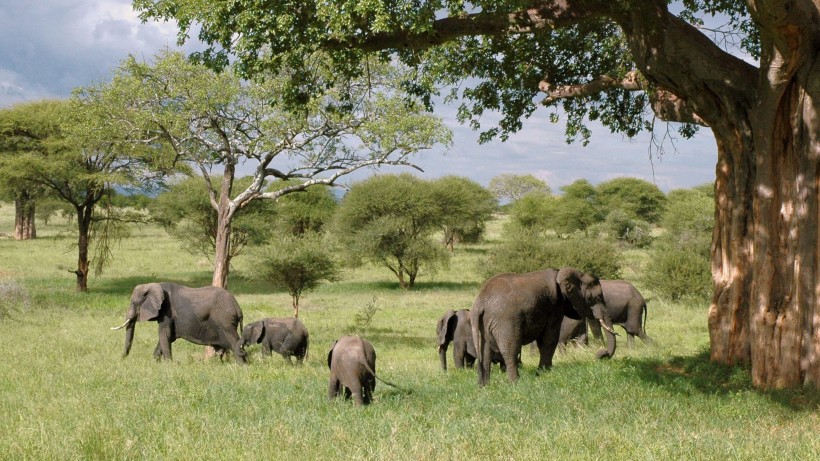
{"points": [[164, 344], [511, 363], [266, 349], [469, 360], [230, 340], [630, 340], [484, 362], [546, 347], [333, 388], [458, 355], [286, 356], [645, 338]]}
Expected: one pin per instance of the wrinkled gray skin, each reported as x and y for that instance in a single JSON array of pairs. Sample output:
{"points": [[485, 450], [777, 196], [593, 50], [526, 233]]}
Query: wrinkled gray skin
{"points": [[352, 363], [455, 327], [287, 337], [585, 293], [208, 316], [626, 307], [515, 309]]}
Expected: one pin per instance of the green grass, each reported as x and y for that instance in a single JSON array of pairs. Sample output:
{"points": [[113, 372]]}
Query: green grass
{"points": [[65, 392]]}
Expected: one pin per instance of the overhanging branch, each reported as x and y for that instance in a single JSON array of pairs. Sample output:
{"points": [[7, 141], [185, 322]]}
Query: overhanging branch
{"points": [[665, 105]]}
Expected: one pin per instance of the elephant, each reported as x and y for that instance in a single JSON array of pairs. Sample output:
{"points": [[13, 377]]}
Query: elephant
{"points": [[455, 327], [285, 336], [515, 309], [352, 363], [626, 307], [585, 293], [208, 316]]}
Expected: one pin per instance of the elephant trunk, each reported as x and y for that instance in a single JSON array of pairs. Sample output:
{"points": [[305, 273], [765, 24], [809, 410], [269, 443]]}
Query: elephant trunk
{"points": [[601, 314], [129, 335]]}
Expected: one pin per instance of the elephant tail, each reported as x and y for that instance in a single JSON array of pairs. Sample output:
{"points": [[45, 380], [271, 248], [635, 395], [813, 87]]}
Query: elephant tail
{"points": [[372, 372], [645, 314]]}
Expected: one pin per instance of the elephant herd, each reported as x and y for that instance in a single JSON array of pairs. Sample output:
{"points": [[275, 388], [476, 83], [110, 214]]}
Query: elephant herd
{"points": [[548, 308]]}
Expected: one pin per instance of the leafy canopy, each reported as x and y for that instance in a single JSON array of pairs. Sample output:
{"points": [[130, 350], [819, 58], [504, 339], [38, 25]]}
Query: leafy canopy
{"points": [[389, 220]]}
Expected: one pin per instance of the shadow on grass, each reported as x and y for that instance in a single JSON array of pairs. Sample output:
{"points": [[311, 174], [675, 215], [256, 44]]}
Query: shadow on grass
{"points": [[383, 285], [237, 285], [698, 373]]}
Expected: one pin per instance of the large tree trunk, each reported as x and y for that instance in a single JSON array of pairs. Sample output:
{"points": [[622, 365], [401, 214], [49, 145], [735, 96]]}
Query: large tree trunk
{"points": [[765, 309], [24, 226]]}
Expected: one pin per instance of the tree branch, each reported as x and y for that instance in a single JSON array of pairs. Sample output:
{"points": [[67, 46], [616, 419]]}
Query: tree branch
{"points": [[666, 105], [542, 15]]}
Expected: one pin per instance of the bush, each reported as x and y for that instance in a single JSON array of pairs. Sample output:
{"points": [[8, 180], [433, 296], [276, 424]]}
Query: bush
{"points": [[296, 263], [679, 270], [525, 251], [679, 267], [619, 226]]}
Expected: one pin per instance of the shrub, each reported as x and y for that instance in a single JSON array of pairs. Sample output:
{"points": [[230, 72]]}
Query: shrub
{"points": [[296, 263], [679, 266], [679, 269], [619, 226], [525, 251]]}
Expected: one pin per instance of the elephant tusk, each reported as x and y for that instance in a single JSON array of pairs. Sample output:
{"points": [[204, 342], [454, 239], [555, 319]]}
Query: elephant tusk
{"points": [[607, 328], [121, 326]]}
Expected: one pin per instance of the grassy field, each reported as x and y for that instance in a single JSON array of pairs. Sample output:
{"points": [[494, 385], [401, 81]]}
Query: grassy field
{"points": [[66, 393]]}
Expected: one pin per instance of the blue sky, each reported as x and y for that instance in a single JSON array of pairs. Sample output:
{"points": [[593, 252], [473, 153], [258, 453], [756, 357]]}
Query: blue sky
{"points": [[49, 47]]}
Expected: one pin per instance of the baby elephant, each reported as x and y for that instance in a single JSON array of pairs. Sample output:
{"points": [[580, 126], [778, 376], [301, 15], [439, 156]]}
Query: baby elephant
{"points": [[454, 327], [352, 363], [285, 336]]}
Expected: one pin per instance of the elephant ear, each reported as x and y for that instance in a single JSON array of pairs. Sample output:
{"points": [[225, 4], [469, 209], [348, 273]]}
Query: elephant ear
{"points": [[446, 327], [151, 303], [569, 281], [330, 353], [257, 331]]}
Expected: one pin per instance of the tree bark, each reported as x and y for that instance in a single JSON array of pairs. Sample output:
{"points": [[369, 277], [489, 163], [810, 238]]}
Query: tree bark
{"points": [[24, 225], [225, 210], [84, 215]]}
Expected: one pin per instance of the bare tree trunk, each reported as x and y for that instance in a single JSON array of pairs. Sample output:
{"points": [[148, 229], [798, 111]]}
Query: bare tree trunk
{"points": [[84, 229], [765, 259], [222, 260], [224, 213], [24, 225]]}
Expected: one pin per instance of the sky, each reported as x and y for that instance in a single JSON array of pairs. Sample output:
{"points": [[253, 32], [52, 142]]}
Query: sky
{"points": [[49, 47]]}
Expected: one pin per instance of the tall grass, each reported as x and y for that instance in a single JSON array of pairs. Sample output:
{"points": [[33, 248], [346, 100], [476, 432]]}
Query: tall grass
{"points": [[66, 393]]}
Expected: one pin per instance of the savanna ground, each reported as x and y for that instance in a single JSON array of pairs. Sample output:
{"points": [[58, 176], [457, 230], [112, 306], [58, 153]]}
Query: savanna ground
{"points": [[66, 393]]}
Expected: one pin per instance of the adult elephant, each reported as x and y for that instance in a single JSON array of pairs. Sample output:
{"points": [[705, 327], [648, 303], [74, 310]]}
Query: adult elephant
{"points": [[585, 293], [208, 316], [515, 309], [626, 307]]}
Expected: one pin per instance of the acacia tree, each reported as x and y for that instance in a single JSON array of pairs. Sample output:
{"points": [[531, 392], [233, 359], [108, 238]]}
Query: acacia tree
{"points": [[607, 60], [512, 187], [26, 128], [80, 162], [465, 206], [216, 122]]}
